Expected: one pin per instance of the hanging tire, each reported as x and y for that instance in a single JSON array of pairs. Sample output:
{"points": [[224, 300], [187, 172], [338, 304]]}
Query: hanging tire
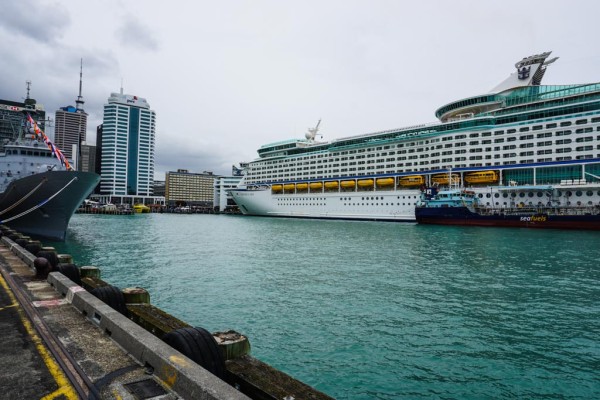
{"points": [[33, 248], [51, 257], [199, 345], [22, 242], [70, 271], [113, 297]]}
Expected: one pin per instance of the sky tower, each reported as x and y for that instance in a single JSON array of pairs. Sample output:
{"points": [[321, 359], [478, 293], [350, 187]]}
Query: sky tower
{"points": [[71, 126]]}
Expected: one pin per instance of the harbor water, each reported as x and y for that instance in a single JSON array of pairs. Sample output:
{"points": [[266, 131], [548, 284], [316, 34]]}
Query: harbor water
{"points": [[369, 310]]}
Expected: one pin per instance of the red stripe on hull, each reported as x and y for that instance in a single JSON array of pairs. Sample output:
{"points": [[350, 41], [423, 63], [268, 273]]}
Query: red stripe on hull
{"points": [[591, 225]]}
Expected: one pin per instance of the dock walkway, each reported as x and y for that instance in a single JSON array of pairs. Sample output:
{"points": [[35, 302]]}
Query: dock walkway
{"points": [[51, 349]]}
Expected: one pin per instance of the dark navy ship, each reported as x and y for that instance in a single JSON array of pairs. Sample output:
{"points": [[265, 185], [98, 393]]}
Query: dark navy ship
{"points": [[39, 191]]}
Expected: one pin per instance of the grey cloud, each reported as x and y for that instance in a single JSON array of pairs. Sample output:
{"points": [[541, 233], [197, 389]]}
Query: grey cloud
{"points": [[40, 22], [134, 34]]}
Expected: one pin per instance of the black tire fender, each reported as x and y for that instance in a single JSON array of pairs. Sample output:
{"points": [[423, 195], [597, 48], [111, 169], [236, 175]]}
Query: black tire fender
{"points": [[50, 256], [33, 248], [112, 296], [70, 271], [199, 345]]}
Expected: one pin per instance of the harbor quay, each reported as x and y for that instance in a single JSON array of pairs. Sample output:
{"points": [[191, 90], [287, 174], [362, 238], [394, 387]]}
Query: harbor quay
{"points": [[67, 334]]}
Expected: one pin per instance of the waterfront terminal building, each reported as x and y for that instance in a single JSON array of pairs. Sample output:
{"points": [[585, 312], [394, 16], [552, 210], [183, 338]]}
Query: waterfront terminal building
{"points": [[223, 202]]}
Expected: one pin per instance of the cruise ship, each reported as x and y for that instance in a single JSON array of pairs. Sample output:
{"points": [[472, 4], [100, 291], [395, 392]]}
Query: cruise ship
{"points": [[520, 135]]}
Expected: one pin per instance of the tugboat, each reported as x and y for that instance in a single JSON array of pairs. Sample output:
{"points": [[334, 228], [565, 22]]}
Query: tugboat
{"points": [[461, 207]]}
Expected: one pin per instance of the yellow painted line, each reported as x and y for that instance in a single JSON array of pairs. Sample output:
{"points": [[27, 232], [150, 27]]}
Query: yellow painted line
{"points": [[61, 380], [10, 306], [117, 395]]}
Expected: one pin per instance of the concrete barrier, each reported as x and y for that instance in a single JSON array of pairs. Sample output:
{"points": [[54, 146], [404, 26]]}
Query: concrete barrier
{"points": [[182, 375]]}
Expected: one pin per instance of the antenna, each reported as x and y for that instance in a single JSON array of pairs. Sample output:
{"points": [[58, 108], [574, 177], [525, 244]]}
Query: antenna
{"points": [[79, 102], [312, 132], [28, 83], [121, 85]]}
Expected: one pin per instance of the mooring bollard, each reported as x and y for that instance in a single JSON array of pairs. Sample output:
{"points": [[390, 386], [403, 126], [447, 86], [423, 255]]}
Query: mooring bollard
{"points": [[42, 268], [232, 344], [136, 295], [65, 259], [89, 271]]}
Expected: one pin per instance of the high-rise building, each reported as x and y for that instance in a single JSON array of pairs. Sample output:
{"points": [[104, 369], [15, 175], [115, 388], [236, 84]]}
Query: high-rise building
{"points": [[70, 126], [128, 134], [87, 162], [188, 188], [69, 130]]}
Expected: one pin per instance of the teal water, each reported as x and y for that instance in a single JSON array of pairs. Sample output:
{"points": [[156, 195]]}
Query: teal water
{"points": [[367, 310]]}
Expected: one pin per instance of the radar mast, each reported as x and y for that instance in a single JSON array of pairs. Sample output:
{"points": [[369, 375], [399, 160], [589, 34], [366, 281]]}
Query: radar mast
{"points": [[312, 132]]}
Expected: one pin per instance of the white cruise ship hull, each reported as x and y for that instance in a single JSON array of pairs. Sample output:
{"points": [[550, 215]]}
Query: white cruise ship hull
{"points": [[376, 205]]}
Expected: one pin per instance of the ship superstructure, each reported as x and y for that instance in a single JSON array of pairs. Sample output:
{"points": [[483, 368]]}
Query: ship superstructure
{"points": [[39, 192], [521, 133]]}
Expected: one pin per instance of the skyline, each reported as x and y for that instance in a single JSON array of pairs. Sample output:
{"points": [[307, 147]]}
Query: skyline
{"points": [[225, 79]]}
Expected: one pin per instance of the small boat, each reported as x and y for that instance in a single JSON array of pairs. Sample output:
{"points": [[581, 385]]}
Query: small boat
{"points": [[140, 208], [411, 181], [443, 179], [288, 187], [481, 177], [461, 207], [301, 186], [348, 184], [366, 183], [332, 185], [385, 182], [315, 185], [277, 188]]}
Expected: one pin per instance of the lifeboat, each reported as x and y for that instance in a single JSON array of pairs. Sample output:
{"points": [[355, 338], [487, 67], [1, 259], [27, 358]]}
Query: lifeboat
{"points": [[382, 182], [301, 186], [411, 180], [442, 179], [331, 185], [315, 185], [289, 186], [276, 188], [366, 182], [481, 177], [348, 184]]}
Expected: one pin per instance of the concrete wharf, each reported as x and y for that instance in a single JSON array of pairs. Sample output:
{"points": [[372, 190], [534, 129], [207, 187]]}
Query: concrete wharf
{"points": [[60, 340]]}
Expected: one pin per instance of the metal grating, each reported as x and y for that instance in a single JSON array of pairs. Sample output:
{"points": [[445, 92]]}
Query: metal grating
{"points": [[145, 389]]}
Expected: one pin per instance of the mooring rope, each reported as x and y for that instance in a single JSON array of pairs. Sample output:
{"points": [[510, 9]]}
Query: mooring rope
{"points": [[25, 197], [40, 204]]}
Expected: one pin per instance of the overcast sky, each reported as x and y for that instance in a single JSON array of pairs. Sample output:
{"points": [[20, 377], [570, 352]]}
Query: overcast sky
{"points": [[227, 77]]}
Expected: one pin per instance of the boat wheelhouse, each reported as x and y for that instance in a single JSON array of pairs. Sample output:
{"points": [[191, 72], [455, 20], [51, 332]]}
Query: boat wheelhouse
{"points": [[521, 133]]}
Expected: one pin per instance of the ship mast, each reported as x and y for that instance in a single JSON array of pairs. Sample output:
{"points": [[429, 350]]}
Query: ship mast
{"points": [[312, 132]]}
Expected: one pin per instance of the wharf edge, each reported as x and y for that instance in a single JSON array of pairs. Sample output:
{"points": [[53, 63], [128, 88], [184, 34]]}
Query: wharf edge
{"points": [[110, 353]]}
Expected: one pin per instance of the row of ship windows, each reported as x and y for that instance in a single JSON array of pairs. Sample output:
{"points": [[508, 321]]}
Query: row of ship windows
{"points": [[363, 198], [464, 136], [285, 203], [434, 154], [422, 166], [568, 193], [336, 169]]}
